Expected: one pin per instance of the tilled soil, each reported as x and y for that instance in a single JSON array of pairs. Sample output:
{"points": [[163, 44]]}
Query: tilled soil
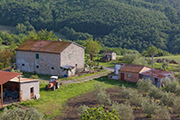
{"points": [[70, 112]]}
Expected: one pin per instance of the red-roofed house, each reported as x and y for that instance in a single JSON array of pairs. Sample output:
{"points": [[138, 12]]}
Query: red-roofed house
{"points": [[132, 73], [158, 76]]}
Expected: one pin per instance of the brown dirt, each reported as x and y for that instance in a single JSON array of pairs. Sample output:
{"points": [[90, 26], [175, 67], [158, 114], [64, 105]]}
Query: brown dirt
{"points": [[70, 112]]}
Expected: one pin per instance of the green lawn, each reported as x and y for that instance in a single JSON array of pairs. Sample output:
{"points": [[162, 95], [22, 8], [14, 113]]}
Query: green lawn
{"points": [[172, 57], [51, 102]]}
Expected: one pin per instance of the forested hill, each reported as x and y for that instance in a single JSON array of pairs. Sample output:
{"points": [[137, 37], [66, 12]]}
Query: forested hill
{"points": [[132, 24]]}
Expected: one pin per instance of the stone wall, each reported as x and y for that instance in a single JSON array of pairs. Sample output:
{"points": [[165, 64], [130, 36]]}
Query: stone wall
{"points": [[47, 63], [73, 55], [25, 88]]}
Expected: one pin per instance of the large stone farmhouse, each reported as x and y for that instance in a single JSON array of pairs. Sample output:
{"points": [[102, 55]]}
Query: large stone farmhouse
{"points": [[50, 57], [132, 73]]}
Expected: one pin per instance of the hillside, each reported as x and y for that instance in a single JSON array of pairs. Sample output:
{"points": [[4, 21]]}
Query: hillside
{"points": [[132, 24]]}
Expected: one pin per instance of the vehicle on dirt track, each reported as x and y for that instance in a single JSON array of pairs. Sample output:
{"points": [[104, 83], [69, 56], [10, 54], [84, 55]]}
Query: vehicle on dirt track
{"points": [[53, 83]]}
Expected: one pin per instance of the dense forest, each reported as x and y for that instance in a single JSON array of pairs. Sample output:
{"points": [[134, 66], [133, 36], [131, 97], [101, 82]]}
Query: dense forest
{"points": [[131, 24]]}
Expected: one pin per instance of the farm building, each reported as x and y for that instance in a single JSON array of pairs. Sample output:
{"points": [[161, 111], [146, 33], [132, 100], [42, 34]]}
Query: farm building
{"points": [[132, 73], [108, 56], [15, 88], [158, 76], [50, 57]]}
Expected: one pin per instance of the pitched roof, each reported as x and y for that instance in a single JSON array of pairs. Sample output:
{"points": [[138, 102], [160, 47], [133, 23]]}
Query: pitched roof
{"points": [[6, 76], [43, 46], [157, 73], [131, 68]]}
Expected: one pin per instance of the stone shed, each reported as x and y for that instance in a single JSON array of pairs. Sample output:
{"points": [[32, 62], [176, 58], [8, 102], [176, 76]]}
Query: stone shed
{"points": [[109, 54]]}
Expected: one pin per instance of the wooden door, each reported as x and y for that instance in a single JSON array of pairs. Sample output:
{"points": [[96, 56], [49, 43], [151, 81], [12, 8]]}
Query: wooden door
{"points": [[122, 76], [32, 92]]}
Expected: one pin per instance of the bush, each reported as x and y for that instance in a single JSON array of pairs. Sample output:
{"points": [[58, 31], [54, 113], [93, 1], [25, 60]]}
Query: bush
{"points": [[170, 86], [168, 99], [34, 77], [150, 107], [178, 90], [127, 92], [100, 94], [162, 114], [82, 108], [124, 110], [1, 65], [140, 61], [99, 114], [20, 114], [13, 70], [155, 92], [137, 99], [176, 107], [144, 84], [129, 58]]}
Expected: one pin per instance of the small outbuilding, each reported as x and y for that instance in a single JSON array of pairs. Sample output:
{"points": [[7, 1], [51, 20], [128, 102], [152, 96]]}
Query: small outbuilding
{"points": [[110, 54], [14, 88]]}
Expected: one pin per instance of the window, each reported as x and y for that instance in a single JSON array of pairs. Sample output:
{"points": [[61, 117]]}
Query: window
{"points": [[23, 64], [69, 56], [37, 56], [128, 75], [37, 66], [52, 68]]}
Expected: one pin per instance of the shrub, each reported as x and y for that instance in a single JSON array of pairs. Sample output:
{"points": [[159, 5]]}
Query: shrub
{"points": [[176, 106], [144, 84], [150, 107], [127, 92], [18, 71], [34, 77], [130, 57], [124, 110], [82, 108], [167, 99], [178, 90], [99, 114], [162, 114], [140, 61], [20, 114], [155, 92], [170, 86], [1, 65], [100, 94], [137, 99]]}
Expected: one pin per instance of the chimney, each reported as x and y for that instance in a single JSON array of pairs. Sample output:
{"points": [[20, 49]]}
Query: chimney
{"points": [[59, 39]]}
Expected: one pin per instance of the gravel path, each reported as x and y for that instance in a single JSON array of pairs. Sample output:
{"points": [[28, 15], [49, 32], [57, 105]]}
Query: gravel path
{"points": [[85, 78]]}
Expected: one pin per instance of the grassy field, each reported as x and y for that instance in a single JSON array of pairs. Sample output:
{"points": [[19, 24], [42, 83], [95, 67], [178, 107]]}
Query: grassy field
{"points": [[173, 57], [51, 102]]}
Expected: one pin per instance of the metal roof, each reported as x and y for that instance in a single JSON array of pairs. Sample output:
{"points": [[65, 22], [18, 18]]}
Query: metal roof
{"points": [[131, 68], [7, 76], [157, 73], [43, 46]]}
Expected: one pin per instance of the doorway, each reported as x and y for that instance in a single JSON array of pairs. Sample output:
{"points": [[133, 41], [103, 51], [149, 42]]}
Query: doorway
{"points": [[32, 92], [122, 76]]}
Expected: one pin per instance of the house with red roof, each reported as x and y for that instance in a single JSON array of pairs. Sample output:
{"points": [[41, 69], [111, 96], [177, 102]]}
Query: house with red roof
{"points": [[50, 57], [132, 73]]}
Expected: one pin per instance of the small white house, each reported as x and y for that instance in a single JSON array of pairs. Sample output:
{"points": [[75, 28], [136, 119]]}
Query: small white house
{"points": [[29, 88], [109, 54]]}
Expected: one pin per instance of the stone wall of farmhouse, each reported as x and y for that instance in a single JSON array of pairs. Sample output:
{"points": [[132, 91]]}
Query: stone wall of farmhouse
{"points": [[47, 63], [73, 55]]}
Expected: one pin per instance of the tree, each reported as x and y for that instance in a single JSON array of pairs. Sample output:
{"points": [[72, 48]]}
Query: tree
{"points": [[152, 51], [92, 47], [5, 56]]}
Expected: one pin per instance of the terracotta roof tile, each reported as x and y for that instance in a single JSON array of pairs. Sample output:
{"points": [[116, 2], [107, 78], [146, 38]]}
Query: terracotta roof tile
{"points": [[43, 46], [131, 68], [6, 76], [157, 73]]}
